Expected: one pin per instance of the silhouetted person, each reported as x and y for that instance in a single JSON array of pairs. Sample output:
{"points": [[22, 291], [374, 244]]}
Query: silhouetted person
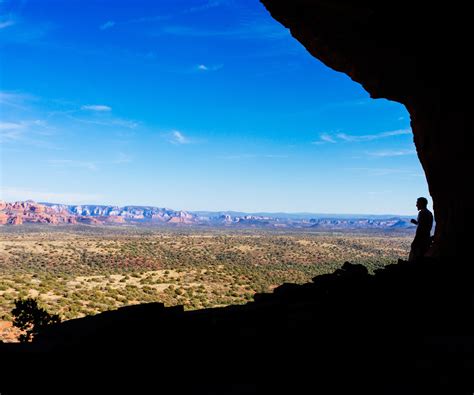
{"points": [[424, 223]]}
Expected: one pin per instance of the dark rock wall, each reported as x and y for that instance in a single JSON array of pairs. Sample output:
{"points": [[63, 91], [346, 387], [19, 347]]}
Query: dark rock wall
{"points": [[415, 54]]}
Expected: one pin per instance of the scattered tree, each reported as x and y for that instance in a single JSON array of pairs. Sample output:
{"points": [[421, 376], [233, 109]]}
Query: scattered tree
{"points": [[31, 318]]}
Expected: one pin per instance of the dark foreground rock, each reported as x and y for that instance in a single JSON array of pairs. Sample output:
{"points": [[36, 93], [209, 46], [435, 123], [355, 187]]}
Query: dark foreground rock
{"points": [[408, 329]]}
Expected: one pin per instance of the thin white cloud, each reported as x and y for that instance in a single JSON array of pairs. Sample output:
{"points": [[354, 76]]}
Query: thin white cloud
{"points": [[327, 138], [272, 156], [251, 156], [348, 138], [90, 165], [125, 123], [158, 18], [391, 153], [375, 171], [203, 67], [252, 30], [8, 22], [150, 55], [236, 157], [177, 137], [7, 97], [11, 126], [14, 99], [107, 25], [30, 33], [371, 137], [23, 131], [72, 163], [17, 194], [324, 138], [206, 6], [96, 107], [123, 158], [154, 18], [10, 131]]}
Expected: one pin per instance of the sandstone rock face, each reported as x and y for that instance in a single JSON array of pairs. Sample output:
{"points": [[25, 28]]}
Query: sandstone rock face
{"points": [[115, 219], [182, 218], [31, 212], [3, 218], [16, 220], [415, 54], [89, 220], [18, 213]]}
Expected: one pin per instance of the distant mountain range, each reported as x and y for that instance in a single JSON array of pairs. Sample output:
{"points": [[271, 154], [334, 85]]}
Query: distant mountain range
{"points": [[50, 213]]}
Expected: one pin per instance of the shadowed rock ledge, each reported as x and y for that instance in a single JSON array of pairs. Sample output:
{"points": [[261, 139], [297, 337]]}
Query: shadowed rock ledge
{"points": [[406, 329]]}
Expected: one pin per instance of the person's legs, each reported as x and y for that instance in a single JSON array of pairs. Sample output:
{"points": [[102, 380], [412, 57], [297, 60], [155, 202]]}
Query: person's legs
{"points": [[411, 256]]}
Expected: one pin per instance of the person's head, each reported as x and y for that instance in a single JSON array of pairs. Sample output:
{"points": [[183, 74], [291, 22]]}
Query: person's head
{"points": [[421, 203]]}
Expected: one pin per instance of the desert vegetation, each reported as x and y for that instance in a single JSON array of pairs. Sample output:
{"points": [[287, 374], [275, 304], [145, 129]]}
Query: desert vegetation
{"points": [[83, 270]]}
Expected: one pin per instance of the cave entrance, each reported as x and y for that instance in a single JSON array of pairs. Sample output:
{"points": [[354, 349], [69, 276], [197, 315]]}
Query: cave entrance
{"points": [[365, 42]]}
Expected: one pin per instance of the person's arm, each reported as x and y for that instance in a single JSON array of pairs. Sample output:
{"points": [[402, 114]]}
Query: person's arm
{"points": [[414, 221]]}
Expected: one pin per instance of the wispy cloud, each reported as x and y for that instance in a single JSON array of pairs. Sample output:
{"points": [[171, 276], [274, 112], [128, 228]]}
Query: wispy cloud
{"points": [[123, 158], [203, 67], [107, 25], [31, 32], [324, 138], [210, 4], [158, 18], [14, 194], [145, 19], [236, 157], [251, 156], [15, 99], [272, 156], [177, 137], [125, 123], [11, 131], [72, 163], [6, 23], [150, 55], [90, 165], [327, 138], [382, 172], [334, 138], [206, 6], [95, 115], [10, 126], [96, 107], [391, 153], [154, 18], [26, 132], [371, 137], [250, 30]]}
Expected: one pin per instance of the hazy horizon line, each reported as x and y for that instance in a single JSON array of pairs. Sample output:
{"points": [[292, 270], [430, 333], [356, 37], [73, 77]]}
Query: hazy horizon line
{"points": [[254, 212]]}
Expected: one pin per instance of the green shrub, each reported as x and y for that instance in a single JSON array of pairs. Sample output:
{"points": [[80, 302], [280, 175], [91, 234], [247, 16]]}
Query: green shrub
{"points": [[31, 318]]}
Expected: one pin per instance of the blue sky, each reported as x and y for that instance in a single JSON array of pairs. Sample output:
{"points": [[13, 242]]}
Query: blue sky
{"points": [[195, 105]]}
